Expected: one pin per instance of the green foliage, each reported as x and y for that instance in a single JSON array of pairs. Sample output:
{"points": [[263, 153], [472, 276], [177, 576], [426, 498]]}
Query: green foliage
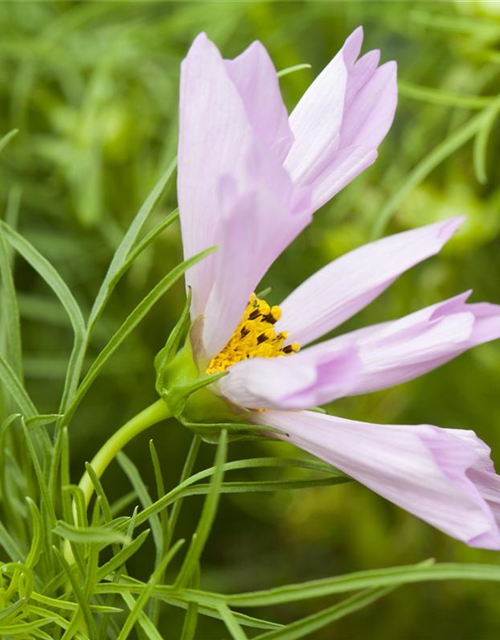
{"points": [[90, 245]]}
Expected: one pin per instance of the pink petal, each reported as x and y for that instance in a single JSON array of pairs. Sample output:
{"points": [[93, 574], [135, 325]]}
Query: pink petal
{"points": [[317, 118], [214, 136], [235, 273], [346, 285], [261, 214], [482, 474], [371, 112], [487, 325], [436, 474], [345, 165], [254, 75], [397, 351], [341, 120], [233, 189], [292, 382], [360, 74]]}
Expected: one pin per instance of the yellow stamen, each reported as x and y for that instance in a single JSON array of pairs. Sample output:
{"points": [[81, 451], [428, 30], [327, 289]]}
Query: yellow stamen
{"points": [[254, 337]]}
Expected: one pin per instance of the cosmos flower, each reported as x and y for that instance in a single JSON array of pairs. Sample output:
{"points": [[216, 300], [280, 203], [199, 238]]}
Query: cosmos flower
{"points": [[249, 180]]}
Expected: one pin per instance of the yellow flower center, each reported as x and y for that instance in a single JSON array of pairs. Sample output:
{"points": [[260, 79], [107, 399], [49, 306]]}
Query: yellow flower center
{"points": [[254, 337]]}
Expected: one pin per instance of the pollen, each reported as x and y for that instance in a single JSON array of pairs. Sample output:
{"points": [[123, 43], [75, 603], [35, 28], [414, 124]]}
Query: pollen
{"points": [[254, 337]]}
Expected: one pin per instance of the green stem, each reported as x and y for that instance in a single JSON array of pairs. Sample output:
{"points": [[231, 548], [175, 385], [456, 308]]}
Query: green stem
{"points": [[153, 414]]}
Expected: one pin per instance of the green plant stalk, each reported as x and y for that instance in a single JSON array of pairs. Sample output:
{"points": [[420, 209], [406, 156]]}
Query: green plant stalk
{"points": [[153, 414], [150, 416]]}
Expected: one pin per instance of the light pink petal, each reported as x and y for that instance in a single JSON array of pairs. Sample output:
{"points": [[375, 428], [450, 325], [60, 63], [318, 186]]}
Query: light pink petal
{"points": [[233, 189], [254, 75], [483, 473], [260, 215], [292, 382], [317, 118], [235, 272], [398, 351], [371, 112], [341, 120], [366, 122], [487, 324], [214, 137], [346, 165], [360, 73], [346, 285], [370, 104], [430, 472]]}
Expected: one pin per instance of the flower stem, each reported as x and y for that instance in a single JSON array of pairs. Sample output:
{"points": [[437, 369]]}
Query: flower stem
{"points": [[153, 414]]}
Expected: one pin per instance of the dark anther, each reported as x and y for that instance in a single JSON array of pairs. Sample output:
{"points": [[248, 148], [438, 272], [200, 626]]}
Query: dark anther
{"points": [[244, 332], [262, 338], [288, 349], [254, 314], [270, 318]]}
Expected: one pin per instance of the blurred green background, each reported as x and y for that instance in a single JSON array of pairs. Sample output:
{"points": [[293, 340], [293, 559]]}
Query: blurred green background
{"points": [[93, 89]]}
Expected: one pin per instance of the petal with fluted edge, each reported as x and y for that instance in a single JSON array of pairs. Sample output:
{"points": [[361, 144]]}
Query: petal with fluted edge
{"points": [[346, 285], [439, 475]]}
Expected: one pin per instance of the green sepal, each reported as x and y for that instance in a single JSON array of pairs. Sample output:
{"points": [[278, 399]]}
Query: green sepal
{"points": [[179, 333], [185, 390], [181, 397], [187, 393]]}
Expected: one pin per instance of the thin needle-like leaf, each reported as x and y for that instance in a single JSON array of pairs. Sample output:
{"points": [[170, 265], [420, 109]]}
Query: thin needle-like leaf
{"points": [[123, 257], [4, 141], [9, 612], [296, 67], [444, 98], [139, 487], [129, 325], [147, 593], [16, 389], [265, 486], [44, 490], [207, 603], [144, 622], [191, 617], [183, 489], [10, 311], [443, 150], [164, 524], [84, 608], [481, 145], [144, 244], [122, 556], [47, 272], [186, 472], [231, 623], [10, 545], [305, 626], [392, 576], [207, 517], [126, 245]]}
